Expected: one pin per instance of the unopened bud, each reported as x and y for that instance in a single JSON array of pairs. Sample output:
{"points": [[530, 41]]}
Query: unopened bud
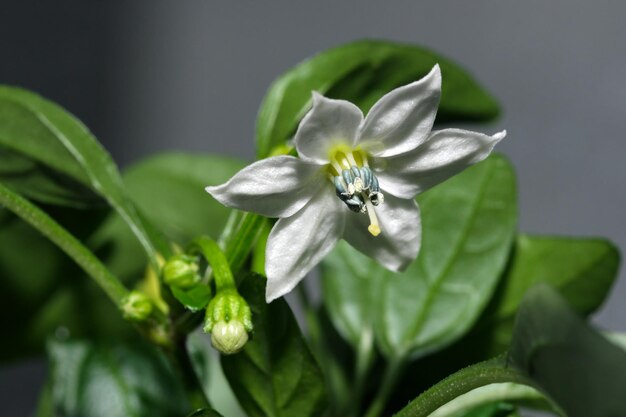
{"points": [[229, 337], [181, 271], [136, 306], [229, 320]]}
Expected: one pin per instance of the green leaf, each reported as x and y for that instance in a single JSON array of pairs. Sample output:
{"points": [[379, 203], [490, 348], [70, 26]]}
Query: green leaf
{"points": [[477, 384], [468, 226], [275, 375], [42, 131], [362, 72], [37, 182], [169, 188], [194, 299], [578, 367], [581, 270], [89, 380]]}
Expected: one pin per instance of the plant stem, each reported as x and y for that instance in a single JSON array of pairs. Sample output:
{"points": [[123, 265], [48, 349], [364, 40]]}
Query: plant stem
{"points": [[364, 357], [393, 371], [47, 226]]}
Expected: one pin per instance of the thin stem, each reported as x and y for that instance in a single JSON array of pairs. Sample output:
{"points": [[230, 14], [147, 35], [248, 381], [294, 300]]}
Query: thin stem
{"points": [[216, 258], [238, 248], [364, 359], [390, 379], [41, 221]]}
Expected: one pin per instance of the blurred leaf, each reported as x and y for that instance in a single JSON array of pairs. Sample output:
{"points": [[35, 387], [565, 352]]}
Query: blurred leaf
{"points": [[89, 380], [468, 225], [42, 131], [580, 369], [169, 188], [194, 299], [37, 182], [479, 384], [275, 374], [581, 270], [362, 72], [42, 289]]}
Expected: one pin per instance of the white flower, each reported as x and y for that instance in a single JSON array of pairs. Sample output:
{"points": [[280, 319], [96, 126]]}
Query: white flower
{"points": [[356, 178]]}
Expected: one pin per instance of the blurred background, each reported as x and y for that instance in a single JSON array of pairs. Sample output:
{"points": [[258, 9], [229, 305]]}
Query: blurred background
{"points": [[154, 76]]}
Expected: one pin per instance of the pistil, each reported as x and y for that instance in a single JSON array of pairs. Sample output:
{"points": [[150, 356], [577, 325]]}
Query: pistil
{"points": [[374, 227]]}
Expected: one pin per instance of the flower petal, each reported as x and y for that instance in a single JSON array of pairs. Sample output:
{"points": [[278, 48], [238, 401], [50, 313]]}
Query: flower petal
{"points": [[274, 187], [329, 122], [402, 119], [298, 243], [446, 153], [399, 242]]}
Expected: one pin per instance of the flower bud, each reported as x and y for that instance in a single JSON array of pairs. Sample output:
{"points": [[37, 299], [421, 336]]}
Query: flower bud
{"points": [[229, 337], [136, 306], [181, 271], [229, 320]]}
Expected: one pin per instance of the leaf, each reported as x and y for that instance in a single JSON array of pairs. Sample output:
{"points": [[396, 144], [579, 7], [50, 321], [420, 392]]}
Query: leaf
{"points": [[483, 383], [581, 270], [194, 299], [37, 182], [89, 380], [275, 374], [362, 72], [170, 189], [42, 131], [468, 226], [579, 368]]}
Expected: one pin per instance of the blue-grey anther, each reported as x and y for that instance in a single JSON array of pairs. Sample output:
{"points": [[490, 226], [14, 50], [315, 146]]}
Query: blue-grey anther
{"points": [[340, 188], [366, 176], [355, 203]]}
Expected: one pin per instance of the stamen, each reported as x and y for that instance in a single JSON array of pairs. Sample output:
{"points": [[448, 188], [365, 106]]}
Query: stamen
{"points": [[351, 159], [373, 228], [336, 166]]}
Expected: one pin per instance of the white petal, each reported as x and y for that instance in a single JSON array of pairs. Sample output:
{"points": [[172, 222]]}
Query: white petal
{"points": [[402, 119], [399, 242], [329, 122], [274, 187], [446, 153], [298, 243]]}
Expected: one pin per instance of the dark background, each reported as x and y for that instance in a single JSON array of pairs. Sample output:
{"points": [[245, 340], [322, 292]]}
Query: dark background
{"points": [[149, 76]]}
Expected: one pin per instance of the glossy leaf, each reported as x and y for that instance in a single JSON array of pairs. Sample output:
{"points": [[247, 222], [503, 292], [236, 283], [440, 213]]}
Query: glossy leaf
{"points": [[169, 188], [275, 375], [578, 367], [581, 270], [468, 227], [42, 131], [89, 380], [205, 413], [362, 72]]}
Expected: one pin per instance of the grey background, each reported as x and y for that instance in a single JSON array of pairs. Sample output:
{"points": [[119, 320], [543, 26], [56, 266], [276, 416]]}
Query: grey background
{"points": [[189, 75]]}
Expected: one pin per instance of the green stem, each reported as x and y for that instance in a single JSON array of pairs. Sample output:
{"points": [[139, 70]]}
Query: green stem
{"points": [[238, 248], [38, 219], [393, 371], [215, 257], [364, 359], [461, 382]]}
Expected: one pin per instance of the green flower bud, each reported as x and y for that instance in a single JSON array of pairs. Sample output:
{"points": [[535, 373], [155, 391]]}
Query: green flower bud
{"points": [[181, 271], [229, 337], [229, 320], [136, 306]]}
